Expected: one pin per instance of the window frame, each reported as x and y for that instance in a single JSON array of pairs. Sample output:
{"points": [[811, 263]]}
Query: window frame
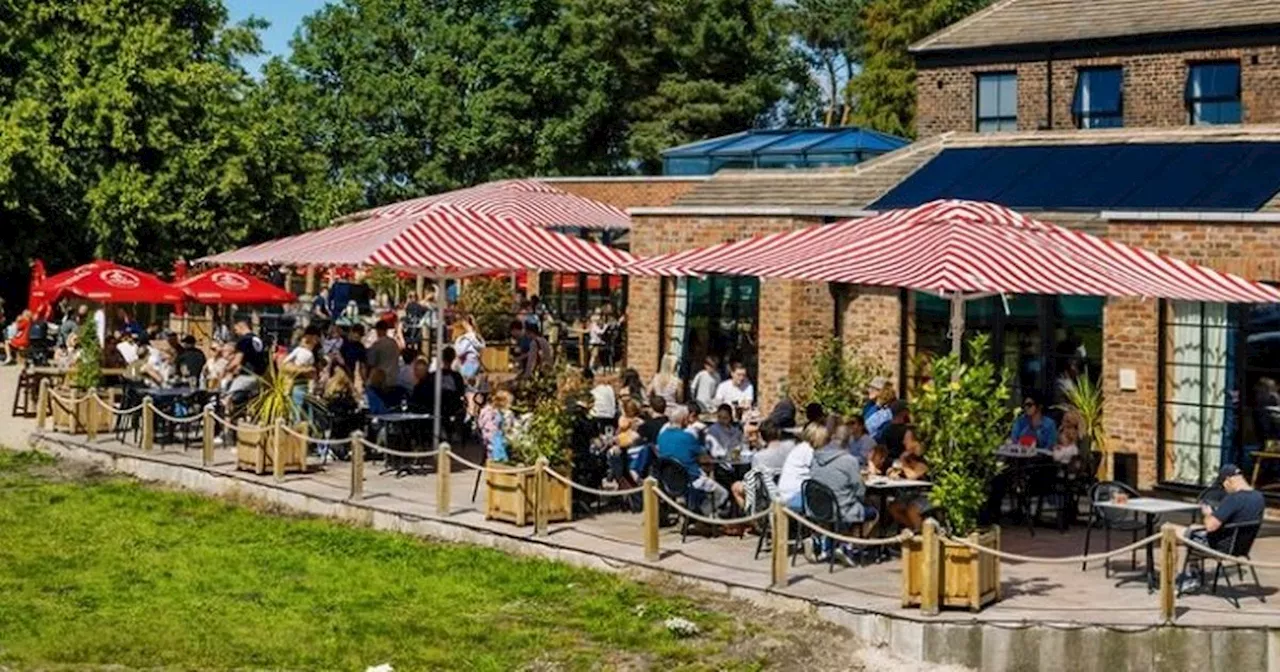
{"points": [[1237, 98], [1082, 117], [978, 119]]}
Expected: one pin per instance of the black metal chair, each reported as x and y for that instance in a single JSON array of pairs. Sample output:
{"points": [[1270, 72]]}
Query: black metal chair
{"points": [[674, 481], [1235, 540], [131, 396], [822, 509], [764, 503], [1111, 519]]}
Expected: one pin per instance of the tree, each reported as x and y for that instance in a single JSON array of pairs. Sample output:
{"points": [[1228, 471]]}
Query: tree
{"points": [[128, 130], [884, 92], [830, 32]]}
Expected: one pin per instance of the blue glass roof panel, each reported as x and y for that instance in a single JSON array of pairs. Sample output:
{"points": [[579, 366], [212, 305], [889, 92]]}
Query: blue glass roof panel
{"points": [[1236, 176], [703, 147], [748, 144]]}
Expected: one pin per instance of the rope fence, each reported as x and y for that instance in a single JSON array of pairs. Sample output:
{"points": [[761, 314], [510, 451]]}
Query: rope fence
{"points": [[594, 491], [488, 469], [706, 520], [853, 541], [1071, 560], [1218, 555]]}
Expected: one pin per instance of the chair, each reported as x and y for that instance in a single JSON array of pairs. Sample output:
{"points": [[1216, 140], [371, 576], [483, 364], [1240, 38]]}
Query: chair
{"points": [[1236, 540], [130, 397], [822, 509], [1111, 519], [674, 481], [26, 395], [762, 502]]}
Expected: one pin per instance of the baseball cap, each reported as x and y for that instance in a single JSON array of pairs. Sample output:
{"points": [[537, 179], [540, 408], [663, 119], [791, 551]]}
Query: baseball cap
{"points": [[1227, 471], [877, 383]]}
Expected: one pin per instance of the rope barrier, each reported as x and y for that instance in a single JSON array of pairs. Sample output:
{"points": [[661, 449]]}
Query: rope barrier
{"points": [[493, 470], [704, 519], [397, 453], [174, 419], [65, 402], [592, 491], [852, 541], [116, 411], [1205, 550], [314, 440], [1075, 559], [226, 424]]}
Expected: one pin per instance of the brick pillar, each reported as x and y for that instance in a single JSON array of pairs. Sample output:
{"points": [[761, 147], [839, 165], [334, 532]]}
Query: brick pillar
{"points": [[796, 318], [871, 325], [1130, 329], [643, 339]]}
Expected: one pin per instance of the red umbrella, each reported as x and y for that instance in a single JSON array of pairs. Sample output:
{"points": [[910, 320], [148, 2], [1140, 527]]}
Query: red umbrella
{"points": [[37, 279], [223, 285], [179, 274], [107, 282]]}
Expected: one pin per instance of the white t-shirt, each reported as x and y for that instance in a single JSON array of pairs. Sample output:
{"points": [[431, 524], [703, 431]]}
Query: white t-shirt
{"points": [[795, 470], [604, 402], [301, 356], [703, 389], [128, 350], [737, 397]]}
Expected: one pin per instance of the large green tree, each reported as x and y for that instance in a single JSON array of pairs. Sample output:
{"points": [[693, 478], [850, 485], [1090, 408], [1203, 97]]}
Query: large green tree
{"points": [[883, 91], [129, 130]]}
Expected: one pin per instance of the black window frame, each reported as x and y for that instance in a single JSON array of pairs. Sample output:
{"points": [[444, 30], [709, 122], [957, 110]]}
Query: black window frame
{"points": [[1080, 116], [1237, 97], [978, 119]]}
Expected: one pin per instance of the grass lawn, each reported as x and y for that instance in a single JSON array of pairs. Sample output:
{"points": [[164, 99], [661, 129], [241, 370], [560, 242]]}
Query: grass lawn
{"points": [[101, 570]]}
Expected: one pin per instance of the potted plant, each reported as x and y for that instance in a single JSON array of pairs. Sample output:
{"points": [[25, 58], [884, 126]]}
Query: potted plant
{"points": [[85, 376], [255, 448], [488, 302], [1084, 400], [542, 433], [961, 415]]}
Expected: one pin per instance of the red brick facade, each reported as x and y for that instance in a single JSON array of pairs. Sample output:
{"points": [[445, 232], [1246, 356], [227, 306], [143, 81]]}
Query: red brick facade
{"points": [[1154, 86], [625, 192]]}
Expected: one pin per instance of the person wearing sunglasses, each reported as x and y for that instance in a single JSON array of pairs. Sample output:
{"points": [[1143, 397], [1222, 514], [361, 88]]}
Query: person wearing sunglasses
{"points": [[1033, 427]]}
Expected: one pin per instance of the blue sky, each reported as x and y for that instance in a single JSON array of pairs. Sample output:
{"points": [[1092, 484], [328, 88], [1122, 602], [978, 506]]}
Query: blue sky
{"points": [[285, 17]]}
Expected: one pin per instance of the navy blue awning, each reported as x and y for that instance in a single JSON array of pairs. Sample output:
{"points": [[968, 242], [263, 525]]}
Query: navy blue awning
{"points": [[1205, 176]]}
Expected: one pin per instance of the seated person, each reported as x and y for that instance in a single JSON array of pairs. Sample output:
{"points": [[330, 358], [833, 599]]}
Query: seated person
{"points": [[724, 437], [767, 462], [604, 402], [835, 468], [375, 393], [405, 378], [650, 428], [737, 391], [897, 433], [1242, 504], [783, 414], [674, 443], [797, 465], [1066, 449], [629, 424], [815, 414], [883, 414], [191, 360], [860, 442], [910, 512], [422, 396], [1033, 427]]}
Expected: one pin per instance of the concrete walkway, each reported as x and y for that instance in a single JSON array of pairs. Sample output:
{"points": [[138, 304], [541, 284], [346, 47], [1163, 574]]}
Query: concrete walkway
{"points": [[1045, 611]]}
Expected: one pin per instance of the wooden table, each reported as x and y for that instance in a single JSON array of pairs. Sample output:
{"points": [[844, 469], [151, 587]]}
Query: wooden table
{"points": [[1151, 507]]}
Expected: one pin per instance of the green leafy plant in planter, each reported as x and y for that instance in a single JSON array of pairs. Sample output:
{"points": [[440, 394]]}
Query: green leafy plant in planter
{"points": [[1085, 400], [962, 416], [488, 302], [839, 381], [543, 433], [87, 373], [275, 397]]}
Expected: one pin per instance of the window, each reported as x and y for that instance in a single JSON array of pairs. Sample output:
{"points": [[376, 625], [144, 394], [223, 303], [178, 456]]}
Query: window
{"points": [[1213, 93], [997, 102], [1218, 393], [715, 315], [1098, 98]]}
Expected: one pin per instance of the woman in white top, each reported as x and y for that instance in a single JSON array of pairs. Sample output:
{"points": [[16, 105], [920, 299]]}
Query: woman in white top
{"points": [[468, 346], [795, 470], [301, 364], [666, 383]]}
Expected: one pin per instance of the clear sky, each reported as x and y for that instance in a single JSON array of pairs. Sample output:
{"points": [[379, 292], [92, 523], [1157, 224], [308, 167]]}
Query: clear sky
{"points": [[285, 17]]}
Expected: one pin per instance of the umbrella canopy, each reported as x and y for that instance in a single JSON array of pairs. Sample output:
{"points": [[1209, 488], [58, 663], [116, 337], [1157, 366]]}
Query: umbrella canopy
{"points": [[107, 282], [443, 239], [38, 276], [959, 247], [224, 286]]}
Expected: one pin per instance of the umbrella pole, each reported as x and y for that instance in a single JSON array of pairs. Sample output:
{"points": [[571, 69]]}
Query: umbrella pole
{"points": [[957, 323], [435, 415]]}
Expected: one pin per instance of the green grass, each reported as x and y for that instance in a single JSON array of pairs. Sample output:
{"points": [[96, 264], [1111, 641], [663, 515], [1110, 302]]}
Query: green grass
{"points": [[100, 570]]}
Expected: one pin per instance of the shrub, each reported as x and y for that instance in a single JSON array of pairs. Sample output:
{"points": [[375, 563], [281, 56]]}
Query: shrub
{"points": [[88, 369], [488, 301], [839, 382], [543, 433], [962, 416]]}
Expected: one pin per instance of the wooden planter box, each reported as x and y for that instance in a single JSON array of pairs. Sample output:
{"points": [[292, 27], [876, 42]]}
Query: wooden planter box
{"points": [[254, 449], [75, 419], [510, 498], [496, 358], [966, 578]]}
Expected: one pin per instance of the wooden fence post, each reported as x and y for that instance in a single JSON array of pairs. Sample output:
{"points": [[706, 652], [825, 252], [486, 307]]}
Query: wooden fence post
{"points": [[42, 404], [206, 435], [650, 513], [91, 414], [148, 424], [930, 590], [444, 474], [277, 449], [540, 497], [1168, 565], [357, 466], [781, 532]]}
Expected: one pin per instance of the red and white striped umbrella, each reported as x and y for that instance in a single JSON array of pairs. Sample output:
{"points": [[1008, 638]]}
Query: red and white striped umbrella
{"points": [[443, 239], [532, 202], [955, 247]]}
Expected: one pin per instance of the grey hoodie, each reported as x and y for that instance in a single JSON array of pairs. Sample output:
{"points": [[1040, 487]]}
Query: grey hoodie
{"points": [[835, 468]]}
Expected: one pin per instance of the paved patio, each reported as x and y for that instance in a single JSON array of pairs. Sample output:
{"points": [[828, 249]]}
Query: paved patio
{"points": [[1032, 593]]}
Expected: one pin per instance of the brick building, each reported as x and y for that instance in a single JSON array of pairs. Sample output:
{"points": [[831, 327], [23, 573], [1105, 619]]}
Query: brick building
{"points": [[1152, 122]]}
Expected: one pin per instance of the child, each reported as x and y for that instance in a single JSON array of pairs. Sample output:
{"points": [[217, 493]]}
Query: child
{"points": [[495, 423]]}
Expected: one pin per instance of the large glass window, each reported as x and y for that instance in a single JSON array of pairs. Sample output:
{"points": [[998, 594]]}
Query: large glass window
{"points": [[1218, 395], [1039, 339], [713, 315], [1098, 101], [997, 104], [1213, 92]]}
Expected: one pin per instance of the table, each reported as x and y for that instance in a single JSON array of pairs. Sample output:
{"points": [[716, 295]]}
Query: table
{"points": [[405, 432], [1151, 507]]}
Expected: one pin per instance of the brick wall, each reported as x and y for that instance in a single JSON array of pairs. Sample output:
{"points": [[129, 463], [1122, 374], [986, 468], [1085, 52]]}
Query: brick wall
{"points": [[1154, 86], [639, 192], [1131, 326]]}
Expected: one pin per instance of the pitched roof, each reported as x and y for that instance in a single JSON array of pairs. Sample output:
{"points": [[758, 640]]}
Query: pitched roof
{"points": [[861, 185], [1024, 22]]}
